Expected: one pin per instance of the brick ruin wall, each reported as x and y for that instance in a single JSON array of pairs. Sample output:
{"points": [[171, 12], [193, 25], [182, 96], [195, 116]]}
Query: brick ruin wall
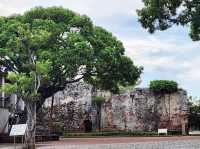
{"points": [[142, 110], [139, 109]]}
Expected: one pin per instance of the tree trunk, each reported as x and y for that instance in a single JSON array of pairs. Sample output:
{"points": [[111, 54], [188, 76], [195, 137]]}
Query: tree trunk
{"points": [[51, 114], [31, 125]]}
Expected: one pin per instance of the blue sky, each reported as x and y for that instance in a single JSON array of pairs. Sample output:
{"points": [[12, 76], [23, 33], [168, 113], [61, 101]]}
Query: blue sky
{"points": [[164, 55]]}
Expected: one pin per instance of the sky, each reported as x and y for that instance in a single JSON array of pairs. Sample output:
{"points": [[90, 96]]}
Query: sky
{"points": [[169, 55]]}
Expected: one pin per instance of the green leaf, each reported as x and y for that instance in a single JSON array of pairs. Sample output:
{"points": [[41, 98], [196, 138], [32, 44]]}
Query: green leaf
{"points": [[13, 77], [163, 86], [98, 100], [43, 68], [9, 88]]}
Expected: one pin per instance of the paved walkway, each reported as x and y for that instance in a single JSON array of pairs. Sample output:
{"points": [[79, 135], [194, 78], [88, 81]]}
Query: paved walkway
{"points": [[181, 142], [122, 143]]}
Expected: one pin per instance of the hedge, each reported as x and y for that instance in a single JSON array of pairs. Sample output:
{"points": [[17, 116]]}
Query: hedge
{"points": [[107, 134], [163, 86]]}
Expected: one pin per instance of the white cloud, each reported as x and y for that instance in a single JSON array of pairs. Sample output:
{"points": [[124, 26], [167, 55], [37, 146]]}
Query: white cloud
{"points": [[93, 8], [152, 45], [154, 52], [161, 56], [192, 72], [166, 59]]}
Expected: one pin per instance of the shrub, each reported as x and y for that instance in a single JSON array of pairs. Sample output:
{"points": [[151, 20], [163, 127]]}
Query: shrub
{"points": [[109, 134], [163, 86], [98, 100]]}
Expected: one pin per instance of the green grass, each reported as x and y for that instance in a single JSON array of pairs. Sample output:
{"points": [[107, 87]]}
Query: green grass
{"points": [[110, 134]]}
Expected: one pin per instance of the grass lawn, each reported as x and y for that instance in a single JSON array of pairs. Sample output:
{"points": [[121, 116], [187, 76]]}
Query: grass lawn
{"points": [[114, 134]]}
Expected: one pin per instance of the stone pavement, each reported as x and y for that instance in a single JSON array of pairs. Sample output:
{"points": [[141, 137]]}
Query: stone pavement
{"points": [[10, 146], [194, 144], [127, 143], [122, 143]]}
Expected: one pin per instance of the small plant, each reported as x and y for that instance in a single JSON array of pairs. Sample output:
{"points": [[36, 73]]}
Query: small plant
{"points": [[98, 100], [163, 86]]}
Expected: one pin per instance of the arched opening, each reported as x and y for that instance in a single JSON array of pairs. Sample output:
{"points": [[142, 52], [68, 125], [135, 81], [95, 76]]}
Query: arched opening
{"points": [[87, 125]]}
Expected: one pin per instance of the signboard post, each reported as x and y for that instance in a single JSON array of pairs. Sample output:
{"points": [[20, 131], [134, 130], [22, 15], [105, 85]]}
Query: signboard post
{"points": [[18, 130]]}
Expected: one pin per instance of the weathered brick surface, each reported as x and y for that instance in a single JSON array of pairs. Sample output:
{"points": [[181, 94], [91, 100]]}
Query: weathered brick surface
{"points": [[139, 109], [142, 110]]}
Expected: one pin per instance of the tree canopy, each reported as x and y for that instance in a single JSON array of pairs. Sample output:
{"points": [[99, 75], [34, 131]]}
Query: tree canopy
{"points": [[68, 45], [163, 14], [46, 48]]}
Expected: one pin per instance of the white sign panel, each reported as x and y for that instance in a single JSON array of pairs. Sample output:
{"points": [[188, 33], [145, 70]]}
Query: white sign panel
{"points": [[18, 130]]}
